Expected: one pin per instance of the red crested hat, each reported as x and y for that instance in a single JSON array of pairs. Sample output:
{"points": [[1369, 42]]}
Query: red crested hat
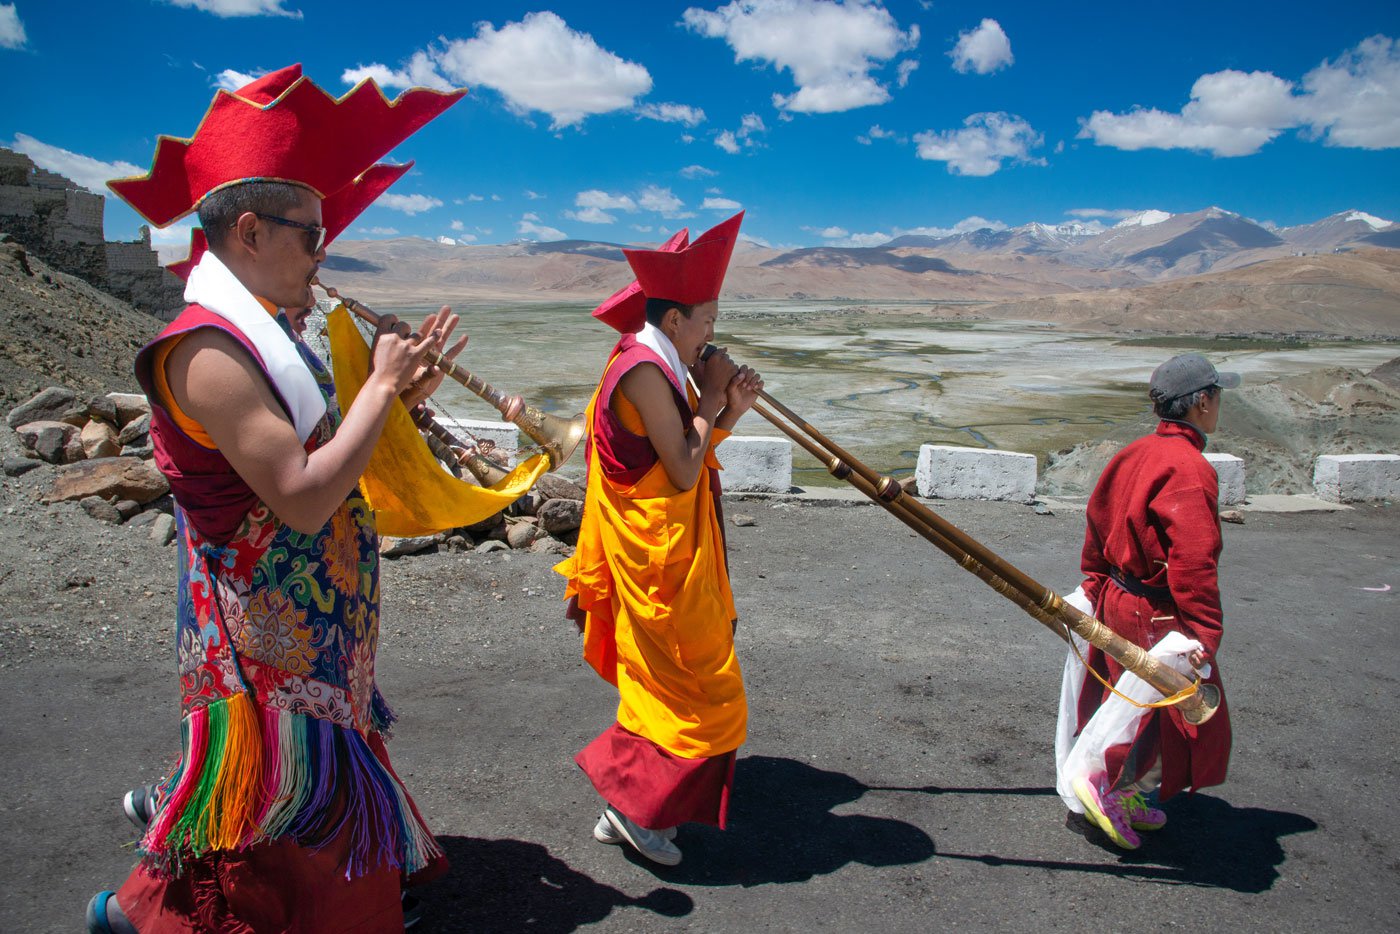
{"points": [[281, 127], [626, 309], [337, 210], [691, 275]]}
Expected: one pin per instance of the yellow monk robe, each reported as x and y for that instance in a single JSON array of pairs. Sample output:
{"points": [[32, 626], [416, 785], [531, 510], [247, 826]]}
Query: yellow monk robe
{"points": [[650, 572]]}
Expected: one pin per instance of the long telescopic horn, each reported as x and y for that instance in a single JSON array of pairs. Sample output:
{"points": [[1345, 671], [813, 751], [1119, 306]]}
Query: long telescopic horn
{"points": [[487, 471], [557, 436], [1040, 602]]}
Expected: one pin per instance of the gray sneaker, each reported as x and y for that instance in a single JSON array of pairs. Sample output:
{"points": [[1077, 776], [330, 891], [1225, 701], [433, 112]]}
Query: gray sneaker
{"points": [[139, 805], [650, 843], [603, 832]]}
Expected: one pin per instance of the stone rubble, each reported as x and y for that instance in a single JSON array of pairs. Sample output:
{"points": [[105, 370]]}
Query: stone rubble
{"points": [[101, 454]]}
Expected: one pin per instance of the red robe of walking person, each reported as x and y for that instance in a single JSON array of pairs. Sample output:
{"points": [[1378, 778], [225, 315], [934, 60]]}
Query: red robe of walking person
{"points": [[1151, 548]]}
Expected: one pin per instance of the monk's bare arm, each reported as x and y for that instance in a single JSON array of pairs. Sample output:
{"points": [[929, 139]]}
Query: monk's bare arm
{"points": [[217, 383], [680, 447]]}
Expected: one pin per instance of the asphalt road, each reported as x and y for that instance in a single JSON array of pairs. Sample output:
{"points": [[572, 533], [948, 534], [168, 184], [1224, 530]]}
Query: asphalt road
{"points": [[899, 769]]}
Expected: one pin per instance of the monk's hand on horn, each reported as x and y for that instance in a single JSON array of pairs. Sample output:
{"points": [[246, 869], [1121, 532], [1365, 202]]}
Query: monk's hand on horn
{"points": [[743, 390], [429, 377], [714, 373], [397, 355]]}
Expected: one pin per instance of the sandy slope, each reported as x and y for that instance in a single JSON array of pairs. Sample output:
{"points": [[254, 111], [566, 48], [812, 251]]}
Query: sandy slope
{"points": [[1343, 294]]}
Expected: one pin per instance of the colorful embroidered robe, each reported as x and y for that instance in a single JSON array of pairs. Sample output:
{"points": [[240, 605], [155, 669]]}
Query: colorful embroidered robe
{"points": [[277, 633]]}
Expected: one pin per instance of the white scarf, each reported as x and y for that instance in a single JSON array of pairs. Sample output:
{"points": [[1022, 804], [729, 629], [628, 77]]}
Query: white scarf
{"points": [[655, 338], [215, 288]]}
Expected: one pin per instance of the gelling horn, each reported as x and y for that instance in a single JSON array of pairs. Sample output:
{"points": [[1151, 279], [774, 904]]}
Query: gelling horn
{"points": [[1040, 602], [556, 436]]}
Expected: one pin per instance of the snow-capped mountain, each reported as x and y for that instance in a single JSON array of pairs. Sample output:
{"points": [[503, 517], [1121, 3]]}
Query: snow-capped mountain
{"points": [[1334, 231]]}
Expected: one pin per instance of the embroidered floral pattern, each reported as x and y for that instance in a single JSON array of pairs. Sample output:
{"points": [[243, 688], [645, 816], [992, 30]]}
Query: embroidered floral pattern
{"points": [[275, 632], [302, 610]]}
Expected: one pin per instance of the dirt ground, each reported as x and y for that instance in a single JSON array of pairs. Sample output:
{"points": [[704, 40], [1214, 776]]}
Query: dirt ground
{"points": [[899, 769]]}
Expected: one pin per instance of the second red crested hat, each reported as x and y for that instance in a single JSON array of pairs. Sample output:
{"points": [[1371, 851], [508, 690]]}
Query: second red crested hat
{"points": [[692, 275], [337, 210], [281, 127], [626, 309]]}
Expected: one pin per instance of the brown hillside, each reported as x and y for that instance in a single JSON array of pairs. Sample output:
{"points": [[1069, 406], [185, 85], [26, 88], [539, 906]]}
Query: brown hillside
{"points": [[56, 330], [1353, 294]]}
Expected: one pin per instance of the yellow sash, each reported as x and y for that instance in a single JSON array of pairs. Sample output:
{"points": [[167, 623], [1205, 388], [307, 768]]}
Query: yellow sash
{"points": [[409, 490]]}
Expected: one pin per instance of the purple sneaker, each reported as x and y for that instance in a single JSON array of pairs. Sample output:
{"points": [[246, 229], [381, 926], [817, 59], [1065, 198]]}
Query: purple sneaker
{"points": [[1141, 815], [1106, 812]]}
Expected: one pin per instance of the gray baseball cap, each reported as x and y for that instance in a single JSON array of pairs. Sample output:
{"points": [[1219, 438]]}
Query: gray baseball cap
{"points": [[1186, 373]]}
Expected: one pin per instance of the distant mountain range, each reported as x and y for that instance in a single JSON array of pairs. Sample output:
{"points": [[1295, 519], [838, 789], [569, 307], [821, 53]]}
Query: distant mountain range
{"points": [[1013, 265]]}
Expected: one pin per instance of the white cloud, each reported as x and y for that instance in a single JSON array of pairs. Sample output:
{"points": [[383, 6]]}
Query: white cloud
{"points": [[475, 198], [905, 69], [758, 241], [750, 125], [466, 238], [541, 64], [875, 238], [661, 200], [227, 8], [830, 48], [1116, 213], [12, 34], [878, 132], [447, 241], [408, 204], [495, 197], [85, 171], [837, 236], [1231, 113], [591, 215], [596, 198], [176, 235], [643, 228], [672, 113], [1353, 102], [714, 191], [687, 138], [381, 231], [231, 79], [534, 195], [983, 50], [531, 226], [421, 71], [982, 145], [697, 171], [720, 204], [457, 226]]}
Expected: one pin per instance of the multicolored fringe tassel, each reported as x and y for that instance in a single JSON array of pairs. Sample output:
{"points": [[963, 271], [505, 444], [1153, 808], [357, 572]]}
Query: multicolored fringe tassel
{"points": [[248, 776]]}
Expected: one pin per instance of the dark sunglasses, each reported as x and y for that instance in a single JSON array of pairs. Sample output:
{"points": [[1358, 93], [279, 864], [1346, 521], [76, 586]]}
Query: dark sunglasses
{"points": [[315, 235]]}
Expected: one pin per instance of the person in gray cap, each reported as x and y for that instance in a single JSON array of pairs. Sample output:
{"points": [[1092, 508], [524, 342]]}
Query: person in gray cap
{"points": [[1150, 555]]}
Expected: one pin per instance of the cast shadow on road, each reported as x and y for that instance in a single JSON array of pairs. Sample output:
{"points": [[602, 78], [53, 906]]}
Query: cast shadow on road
{"points": [[1206, 843], [511, 885], [781, 830]]}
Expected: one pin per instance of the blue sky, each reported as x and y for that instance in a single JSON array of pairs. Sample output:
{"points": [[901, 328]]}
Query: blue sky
{"points": [[829, 122]]}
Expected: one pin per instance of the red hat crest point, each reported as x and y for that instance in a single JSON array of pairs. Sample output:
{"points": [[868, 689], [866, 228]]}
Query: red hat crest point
{"points": [[626, 309], [690, 276], [281, 127]]}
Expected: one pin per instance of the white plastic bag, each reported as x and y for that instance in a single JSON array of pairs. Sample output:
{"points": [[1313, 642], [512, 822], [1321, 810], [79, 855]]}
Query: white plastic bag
{"points": [[1116, 721]]}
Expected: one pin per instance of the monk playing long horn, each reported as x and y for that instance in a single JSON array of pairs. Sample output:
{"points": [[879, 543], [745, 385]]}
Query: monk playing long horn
{"points": [[283, 812], [649, 582]]}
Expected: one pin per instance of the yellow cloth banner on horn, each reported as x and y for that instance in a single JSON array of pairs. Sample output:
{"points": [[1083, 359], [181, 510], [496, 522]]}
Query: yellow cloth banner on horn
{"points": [[410, 492]]}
